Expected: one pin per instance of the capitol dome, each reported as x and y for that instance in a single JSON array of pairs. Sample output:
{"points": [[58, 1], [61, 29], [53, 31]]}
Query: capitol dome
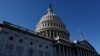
{"points": [[50, 25]]}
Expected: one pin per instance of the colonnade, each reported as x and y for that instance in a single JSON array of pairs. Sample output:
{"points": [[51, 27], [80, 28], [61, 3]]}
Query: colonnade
{"points": [[69, 51], [54, 33], [84, 52]]}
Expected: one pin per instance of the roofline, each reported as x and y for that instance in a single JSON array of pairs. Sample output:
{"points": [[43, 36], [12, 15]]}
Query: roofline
{"points": [[22, 30]]}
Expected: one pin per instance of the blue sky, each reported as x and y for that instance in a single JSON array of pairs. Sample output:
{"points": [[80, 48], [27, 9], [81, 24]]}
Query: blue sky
{"points": [[83, 14]]}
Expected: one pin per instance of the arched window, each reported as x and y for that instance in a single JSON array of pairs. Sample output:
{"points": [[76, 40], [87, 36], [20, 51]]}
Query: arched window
{"points": [[19, 51], [8, 50], [30, 52]]}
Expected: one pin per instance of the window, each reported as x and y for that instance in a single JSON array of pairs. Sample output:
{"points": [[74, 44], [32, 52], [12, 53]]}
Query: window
{"points": [[46, 47], [19, 51], [30, 52], [31, 43], [40, 53], [40, 45], [21, 40], [54, 24], [47, 54], [51, 24], [59, 25], [8, 50], [11, 38]]}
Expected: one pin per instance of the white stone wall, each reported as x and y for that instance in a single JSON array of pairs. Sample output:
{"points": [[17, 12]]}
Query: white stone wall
{"points": [[24, 42]]}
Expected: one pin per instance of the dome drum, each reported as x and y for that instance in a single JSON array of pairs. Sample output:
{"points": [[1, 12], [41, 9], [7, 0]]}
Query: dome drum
{"points": [[50, 26], [54, 33]]}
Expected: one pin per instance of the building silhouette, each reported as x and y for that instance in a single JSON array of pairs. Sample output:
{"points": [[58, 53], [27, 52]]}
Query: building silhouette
{"points": [[51, 38]]}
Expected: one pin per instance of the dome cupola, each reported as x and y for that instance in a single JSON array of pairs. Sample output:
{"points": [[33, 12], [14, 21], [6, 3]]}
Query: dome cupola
{"points": [[51, 26]]}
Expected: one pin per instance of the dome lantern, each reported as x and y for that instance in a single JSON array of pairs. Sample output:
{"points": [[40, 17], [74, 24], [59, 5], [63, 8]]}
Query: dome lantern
{"points": [[50, 8]]}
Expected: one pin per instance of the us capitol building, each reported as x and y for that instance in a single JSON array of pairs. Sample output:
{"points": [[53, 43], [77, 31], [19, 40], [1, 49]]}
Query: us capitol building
{"points": [[50, 38]]}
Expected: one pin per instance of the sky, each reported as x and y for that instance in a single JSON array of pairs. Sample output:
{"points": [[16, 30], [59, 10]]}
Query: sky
{"points": [[76, 14]]}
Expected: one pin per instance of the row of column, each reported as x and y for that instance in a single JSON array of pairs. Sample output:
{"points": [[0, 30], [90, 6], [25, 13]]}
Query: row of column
{"points": [[82, 52], [68, 51], [65, 51], [53, 33]]}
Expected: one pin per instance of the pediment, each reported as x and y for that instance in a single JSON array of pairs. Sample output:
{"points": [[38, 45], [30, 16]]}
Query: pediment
{"points": [[87, 44]]}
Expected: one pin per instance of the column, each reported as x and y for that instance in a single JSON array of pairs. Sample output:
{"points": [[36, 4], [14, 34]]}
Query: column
{"points": [[41, 33], [87, 53], [46, 33], [70, 51], [50, 33], [78, 52], [93, 54], [68, 54], [55, 51], [73, 52], [59, 48], [67, 51], [90, 53], [53, 34], [63, 35], [57, 33], [63, 51], [83, 53]]}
